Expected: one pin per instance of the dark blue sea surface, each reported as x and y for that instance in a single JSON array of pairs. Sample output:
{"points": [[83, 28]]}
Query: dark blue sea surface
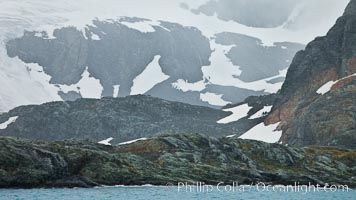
{"points": [[170, 193]]}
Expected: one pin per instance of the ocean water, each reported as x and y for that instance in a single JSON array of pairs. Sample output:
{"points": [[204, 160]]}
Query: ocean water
{"points": [[170, 193]]}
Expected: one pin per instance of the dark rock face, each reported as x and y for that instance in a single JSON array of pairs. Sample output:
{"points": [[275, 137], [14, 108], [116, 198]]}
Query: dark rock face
{"points": [[327, 123], [70, 96], [170, 159], [266, 13], [123, 52], [121, 118], [119, 54], [307, 117], [255, 60]]}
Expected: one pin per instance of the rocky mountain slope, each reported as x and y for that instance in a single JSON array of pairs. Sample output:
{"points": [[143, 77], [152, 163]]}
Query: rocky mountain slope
{"points": [[123, 119], [115, 55], [169, 159], [64, 50], [317, 103]]}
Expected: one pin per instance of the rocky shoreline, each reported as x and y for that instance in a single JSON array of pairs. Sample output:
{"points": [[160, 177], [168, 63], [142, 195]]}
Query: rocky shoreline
{"points": [[170, 158]]}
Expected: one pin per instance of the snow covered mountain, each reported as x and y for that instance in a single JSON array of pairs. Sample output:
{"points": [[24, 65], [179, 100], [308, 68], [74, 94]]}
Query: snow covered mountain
{"points": [[199, 52]]}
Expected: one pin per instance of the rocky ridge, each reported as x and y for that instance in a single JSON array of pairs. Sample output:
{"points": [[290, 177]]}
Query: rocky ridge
{"points": [[170, 158], [123, 119]]}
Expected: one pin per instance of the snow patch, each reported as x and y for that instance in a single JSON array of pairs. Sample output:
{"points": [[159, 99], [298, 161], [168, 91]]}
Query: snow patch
{"points": [[8, 122], [327, 86], [38, 34], [185, 86], [263, 112], [133, 141], [263, 133], [238, 113], [88, 87], [142, 26], [116, 91], [213, 99], [222, 72], [95, 36], [145, 81], [106, 142]]}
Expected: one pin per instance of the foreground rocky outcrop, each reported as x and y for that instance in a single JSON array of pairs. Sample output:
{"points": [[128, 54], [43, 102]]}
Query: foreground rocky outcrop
{"points": [[316, 105], [170, 159]]}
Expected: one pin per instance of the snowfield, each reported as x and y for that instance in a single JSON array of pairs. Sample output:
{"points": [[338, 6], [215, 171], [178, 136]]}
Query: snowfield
{"points": [[23, 84]]}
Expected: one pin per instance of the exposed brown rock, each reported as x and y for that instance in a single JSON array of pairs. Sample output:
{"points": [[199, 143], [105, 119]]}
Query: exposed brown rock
{"points": [[342, 83], [308, 118]]}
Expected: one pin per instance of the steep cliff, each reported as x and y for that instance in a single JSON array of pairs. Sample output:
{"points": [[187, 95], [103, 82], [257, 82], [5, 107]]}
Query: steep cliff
{"points": [[317, 103]]}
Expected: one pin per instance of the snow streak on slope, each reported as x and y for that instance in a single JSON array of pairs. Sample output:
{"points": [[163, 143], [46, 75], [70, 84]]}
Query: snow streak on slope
{"points": [[213, 99], [106, 142], [238, 113], [263, 112], [263, 133], [327, 86], [8, 122], [143, 26], [133, 141], [116, 91], [150, 77]]}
